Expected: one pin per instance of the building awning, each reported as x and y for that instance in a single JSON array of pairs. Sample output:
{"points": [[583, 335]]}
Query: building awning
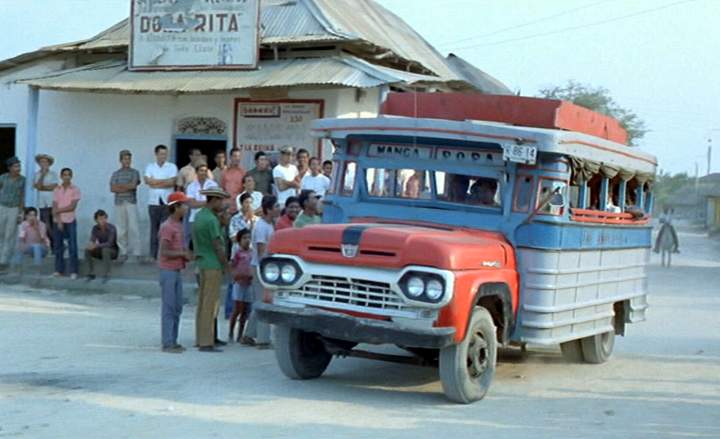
{"points": [[335, 71]]}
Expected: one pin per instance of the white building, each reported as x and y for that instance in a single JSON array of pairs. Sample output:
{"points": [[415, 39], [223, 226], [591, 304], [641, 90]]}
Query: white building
{"points": [[318, 58]]}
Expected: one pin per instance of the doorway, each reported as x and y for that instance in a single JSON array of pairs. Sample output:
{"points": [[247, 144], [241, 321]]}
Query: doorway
{"points": [[208, 147], [7, 145]]}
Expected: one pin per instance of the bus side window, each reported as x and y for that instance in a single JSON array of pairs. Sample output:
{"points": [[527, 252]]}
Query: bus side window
{"points": [[348, 182], [523, 193], [547, 187]]}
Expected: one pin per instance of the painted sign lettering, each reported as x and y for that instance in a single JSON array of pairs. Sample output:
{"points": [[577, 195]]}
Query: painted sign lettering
{"points": [[194, 34], [467, 156], [399, 151]]}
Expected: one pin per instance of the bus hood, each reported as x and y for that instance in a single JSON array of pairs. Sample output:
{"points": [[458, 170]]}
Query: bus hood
{"points": [[395, 246]]}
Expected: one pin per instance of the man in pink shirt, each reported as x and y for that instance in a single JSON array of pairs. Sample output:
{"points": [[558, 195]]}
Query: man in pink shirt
{"points": [[65, 200], [172, 258], [32, 238]]}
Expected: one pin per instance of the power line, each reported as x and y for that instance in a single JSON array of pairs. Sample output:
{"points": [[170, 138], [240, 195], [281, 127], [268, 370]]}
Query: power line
{"points": [[526, 24], [582, 26]]}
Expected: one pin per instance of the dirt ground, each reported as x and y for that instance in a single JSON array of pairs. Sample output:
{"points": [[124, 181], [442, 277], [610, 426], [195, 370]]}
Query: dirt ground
{"points": [[77, 366]]}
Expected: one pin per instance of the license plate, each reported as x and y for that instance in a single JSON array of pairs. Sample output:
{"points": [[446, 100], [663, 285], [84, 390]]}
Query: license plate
{"points": [[520, 154]]}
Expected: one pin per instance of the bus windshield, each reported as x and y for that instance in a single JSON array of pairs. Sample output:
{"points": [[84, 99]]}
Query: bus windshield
{"points": [[420, 184]]}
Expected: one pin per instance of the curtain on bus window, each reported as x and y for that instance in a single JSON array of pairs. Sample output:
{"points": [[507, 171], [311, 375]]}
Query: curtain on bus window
{"points": [[583, 170], [609, 171]]}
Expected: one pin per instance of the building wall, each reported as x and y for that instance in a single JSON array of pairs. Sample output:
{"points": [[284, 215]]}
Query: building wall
{"points": [[14, 99], [85, 131]]}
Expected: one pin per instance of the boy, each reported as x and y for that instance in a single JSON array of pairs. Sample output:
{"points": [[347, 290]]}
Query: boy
{"points": [[102, 245], [242, 292]]}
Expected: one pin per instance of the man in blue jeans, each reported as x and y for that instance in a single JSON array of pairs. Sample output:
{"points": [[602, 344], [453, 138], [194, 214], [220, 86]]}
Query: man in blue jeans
{"points": [[172, 258], [65, 200]]}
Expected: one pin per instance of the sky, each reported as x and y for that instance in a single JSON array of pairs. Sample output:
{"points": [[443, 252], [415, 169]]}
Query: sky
{"points": [[658, 58]]}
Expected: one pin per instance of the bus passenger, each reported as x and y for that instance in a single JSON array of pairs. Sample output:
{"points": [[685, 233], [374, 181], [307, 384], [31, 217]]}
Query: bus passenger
{"points": [[414, 185]]}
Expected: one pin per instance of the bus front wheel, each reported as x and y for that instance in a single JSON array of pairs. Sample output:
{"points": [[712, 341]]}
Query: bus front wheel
{"points": [[301, 355], [468, 368]]}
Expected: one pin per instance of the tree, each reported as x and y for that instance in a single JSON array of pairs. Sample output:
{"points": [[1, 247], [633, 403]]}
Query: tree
{"points": [[598, 99], [667, 186]]}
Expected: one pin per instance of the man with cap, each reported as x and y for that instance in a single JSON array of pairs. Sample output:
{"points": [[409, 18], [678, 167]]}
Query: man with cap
{"points": [[46, 180], [172, 258], [12, 205], [285, 175], [124, 183], [209, 248]]}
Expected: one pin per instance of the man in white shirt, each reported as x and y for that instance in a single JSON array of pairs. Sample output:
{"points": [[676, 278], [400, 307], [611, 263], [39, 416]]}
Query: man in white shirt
{"points": [[196, 200], [315, 180], [285, 176], [46, 180], [160, 178]]}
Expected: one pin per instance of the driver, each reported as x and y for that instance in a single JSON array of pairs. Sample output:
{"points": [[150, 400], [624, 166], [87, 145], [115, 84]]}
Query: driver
{"points": [[483, 192]]}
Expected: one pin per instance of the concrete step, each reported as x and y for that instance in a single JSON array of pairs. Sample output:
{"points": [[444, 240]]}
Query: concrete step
{"points": [[128, 279]]}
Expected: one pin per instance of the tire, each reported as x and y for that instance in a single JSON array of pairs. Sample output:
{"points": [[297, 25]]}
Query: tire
{"points": [[572, 351], [468, 368], [598, 349], [301, 355]]}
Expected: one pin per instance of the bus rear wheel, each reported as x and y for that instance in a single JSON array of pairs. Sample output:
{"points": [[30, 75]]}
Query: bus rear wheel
{"points": [[468, 368], [598, 348], [595, 349], [301, 355]]}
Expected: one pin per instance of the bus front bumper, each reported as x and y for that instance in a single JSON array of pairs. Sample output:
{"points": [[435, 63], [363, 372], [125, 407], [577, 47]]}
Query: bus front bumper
{"points": [[361, 330]]}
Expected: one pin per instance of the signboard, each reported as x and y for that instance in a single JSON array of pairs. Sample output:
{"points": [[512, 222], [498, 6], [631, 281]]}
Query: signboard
{"points": [[194, 34], [269, 125], [400, 151]]}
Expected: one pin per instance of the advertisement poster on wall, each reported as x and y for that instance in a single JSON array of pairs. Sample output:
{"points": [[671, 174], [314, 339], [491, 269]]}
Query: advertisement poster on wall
{"points": [[194, 34], [269, 125]]}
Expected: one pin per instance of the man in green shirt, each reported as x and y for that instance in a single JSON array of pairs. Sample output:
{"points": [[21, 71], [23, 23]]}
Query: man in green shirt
{"points": [[12, 205], [312, 210], [209, 248]]}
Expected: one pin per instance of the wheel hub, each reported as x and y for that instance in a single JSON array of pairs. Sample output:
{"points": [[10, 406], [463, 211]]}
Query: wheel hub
{"points": [[477, 355]]}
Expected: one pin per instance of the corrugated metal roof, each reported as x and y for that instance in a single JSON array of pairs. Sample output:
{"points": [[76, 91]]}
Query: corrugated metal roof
{"points": [[284, 21], [479, 79], [368, 21], [114, 77]]}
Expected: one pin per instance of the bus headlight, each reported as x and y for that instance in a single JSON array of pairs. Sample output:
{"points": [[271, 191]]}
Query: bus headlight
{"points": [[288, 273], [434, 290], [271, 272], [415, 287], [280, 271], [423, 287]]}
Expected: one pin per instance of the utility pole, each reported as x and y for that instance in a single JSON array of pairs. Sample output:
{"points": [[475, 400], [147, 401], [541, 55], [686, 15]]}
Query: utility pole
{"points": [[709, 155]]}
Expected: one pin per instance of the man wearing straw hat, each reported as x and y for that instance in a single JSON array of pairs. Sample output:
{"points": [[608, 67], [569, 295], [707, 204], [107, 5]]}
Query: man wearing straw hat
{"points": [[209, 249], [46, 180]]}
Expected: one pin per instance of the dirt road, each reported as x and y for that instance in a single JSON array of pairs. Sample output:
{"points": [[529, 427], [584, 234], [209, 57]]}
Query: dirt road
{"points": [[88, 366]]}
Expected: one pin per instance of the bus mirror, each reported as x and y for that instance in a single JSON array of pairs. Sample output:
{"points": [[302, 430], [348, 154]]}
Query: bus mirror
{"points": [[557, 200]]}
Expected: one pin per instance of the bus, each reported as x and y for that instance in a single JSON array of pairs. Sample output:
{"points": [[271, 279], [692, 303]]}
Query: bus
{"points": [[453, 238]]}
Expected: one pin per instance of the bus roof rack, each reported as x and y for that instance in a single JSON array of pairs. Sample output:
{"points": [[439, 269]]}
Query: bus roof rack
{"points": [[512, 110]]}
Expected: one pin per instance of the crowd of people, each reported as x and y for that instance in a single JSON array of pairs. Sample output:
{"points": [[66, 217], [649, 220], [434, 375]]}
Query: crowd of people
{"points": [[221, 219]]}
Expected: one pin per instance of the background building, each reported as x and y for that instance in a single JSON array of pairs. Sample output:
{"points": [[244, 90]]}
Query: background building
{"points": [[317, 58]]}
